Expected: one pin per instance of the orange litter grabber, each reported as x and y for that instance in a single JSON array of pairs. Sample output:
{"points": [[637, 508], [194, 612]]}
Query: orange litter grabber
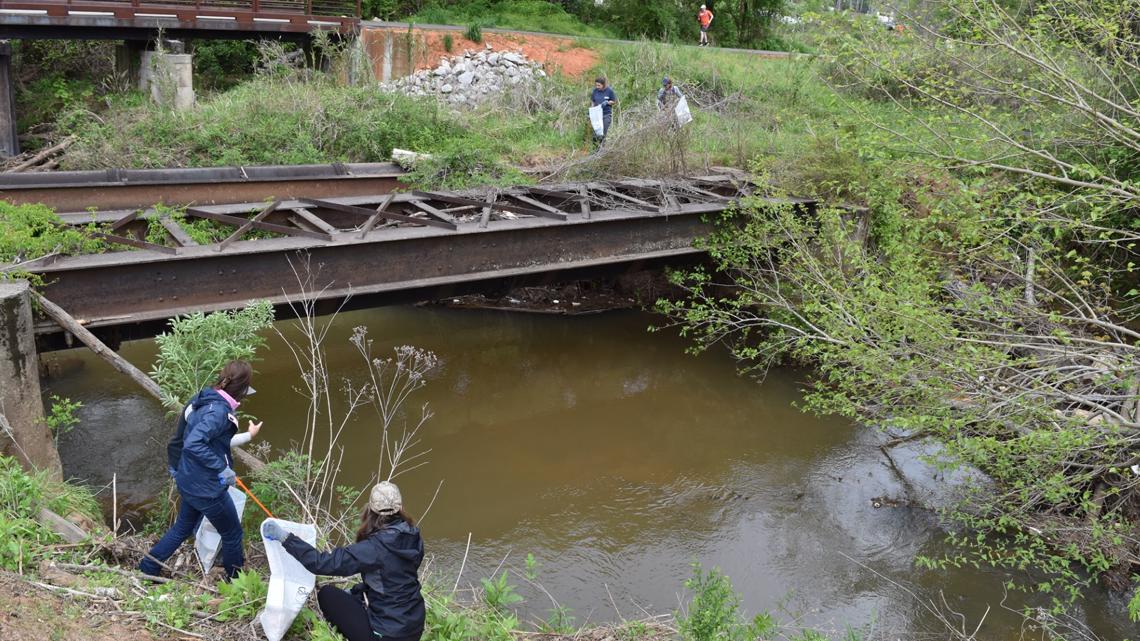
{"points": [[246, 490]]}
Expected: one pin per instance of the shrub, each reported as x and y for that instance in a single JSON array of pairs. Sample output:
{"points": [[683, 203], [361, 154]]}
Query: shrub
{"points": [[461, 166], [265, 121], [22, 495], [61, 417], [713, 614], [198, 345], [448, 43], [242, 597], [31, 231], [474, 33]]}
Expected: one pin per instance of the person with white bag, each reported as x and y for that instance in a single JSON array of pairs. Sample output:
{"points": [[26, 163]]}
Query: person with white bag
{"points": [[199, 460], [602, 99], [388, 603]]}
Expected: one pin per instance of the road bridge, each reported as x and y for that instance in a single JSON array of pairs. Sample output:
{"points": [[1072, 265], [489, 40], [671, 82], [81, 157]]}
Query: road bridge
{"points": [[138, 22], [142, 19], [374, 250]]}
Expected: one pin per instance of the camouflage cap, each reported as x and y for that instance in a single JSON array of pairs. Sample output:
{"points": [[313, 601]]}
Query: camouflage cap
{"points": [[385, 498]]}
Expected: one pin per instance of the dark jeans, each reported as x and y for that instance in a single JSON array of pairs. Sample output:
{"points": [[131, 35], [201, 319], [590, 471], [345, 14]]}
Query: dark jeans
{"points": [[346, 613], [221, 512], [606, 119]]}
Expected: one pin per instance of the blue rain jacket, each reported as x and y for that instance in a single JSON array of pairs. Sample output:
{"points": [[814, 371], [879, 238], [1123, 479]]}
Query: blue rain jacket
{"points": [[205, 445]]}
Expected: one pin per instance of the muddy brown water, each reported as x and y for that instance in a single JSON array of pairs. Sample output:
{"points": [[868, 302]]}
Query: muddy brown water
{"points": [[617, 460]]}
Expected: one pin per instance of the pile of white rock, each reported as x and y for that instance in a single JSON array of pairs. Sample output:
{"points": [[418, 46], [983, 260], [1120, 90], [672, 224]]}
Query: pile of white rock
{"points": [[473, 78]]}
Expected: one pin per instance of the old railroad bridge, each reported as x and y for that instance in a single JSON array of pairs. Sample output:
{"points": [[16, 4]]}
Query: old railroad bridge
{"points": [[370, 248]]}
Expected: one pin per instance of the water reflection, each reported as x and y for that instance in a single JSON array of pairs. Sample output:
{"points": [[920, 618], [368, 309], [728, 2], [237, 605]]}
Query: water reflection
{"points": [[616, 460]]}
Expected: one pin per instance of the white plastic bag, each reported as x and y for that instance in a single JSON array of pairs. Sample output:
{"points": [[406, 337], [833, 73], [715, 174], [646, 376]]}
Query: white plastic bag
{"points": [[207, 541], [596, 121], [684, 116], [289, 582]]}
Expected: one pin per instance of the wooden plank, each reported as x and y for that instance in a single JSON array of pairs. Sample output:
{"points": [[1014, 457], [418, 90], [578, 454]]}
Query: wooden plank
{"points": [[485, 217], [434, 213], [374, 218], [315, 220], [248, 225], [176, 232], [262, 225], [361, 211]]}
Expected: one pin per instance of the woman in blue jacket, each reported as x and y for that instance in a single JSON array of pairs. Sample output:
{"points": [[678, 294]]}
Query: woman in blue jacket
{"points": [[204, 471], [387, 604]]}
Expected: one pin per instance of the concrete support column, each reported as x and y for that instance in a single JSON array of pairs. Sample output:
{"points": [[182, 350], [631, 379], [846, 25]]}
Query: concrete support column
{"points": [[169, 78], [9, 143], [24, 434]]}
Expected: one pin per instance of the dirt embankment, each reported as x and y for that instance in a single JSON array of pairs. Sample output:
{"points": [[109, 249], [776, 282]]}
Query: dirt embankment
{"points": [[395, 53], [556, 54]]}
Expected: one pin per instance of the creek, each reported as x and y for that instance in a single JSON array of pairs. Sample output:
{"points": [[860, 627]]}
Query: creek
{"points": [[617, 460]]}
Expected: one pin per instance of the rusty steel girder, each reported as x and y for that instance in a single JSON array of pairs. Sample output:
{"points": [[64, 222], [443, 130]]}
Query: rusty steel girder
{"points": [[125, 189], [130, 287], [375, 249]]}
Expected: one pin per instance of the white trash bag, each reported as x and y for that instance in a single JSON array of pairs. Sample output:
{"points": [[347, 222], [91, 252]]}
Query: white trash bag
{"points": [[596, 121], [289, 582], [207, 541], [684, 116]]}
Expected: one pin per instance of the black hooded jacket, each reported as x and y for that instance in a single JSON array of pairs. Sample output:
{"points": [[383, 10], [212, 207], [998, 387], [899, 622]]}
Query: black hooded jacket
{"points": [[388, 563]]}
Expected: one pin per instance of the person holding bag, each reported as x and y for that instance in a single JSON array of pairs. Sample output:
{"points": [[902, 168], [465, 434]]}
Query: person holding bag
{"points": [[388, 603], [199, 460]]}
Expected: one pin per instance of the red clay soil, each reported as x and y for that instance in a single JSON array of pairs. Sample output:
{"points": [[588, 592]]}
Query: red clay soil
{"points": [[555, 54]]}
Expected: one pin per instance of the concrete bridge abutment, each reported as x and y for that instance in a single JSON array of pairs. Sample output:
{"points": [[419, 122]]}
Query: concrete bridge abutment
{"points": [[23, 433]]}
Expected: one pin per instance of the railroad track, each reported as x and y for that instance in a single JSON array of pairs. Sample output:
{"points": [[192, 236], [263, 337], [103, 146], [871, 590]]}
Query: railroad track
{"points": [[113, 192]]}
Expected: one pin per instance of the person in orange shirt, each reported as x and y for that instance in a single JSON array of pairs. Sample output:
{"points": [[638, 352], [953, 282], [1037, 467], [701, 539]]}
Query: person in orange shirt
{"points": [[705, 18]]}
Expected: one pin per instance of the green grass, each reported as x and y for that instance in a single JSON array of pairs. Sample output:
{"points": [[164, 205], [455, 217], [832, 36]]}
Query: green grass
{"points": [[523, 15], [779, 113]]}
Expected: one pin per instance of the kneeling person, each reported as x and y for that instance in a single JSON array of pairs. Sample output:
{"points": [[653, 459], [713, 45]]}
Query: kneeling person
{"points": [[388, 603]]}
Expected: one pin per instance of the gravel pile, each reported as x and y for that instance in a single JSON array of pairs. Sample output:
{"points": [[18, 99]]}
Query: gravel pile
{"points": [[473, 78]]}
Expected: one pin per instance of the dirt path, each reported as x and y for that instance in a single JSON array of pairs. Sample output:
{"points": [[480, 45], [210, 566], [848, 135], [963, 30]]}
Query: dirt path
{"points": [[29, 613]]}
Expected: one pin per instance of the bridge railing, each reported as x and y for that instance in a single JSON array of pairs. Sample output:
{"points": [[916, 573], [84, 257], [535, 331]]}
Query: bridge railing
{"points": [[256, 8]]}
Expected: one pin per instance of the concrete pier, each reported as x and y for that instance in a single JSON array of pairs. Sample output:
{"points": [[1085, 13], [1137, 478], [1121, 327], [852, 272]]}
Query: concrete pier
{"points": [[169, 78], [23, 433]]}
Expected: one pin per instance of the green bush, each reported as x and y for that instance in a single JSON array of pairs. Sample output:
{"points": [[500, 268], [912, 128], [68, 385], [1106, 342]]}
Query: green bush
{"points": [[714, 611], [61, 417], [265, 121], [448, 43], [32, 231], [242, 597], [460, 166], [223, 64], [22, 495], [474, 33], [198, 345]]}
